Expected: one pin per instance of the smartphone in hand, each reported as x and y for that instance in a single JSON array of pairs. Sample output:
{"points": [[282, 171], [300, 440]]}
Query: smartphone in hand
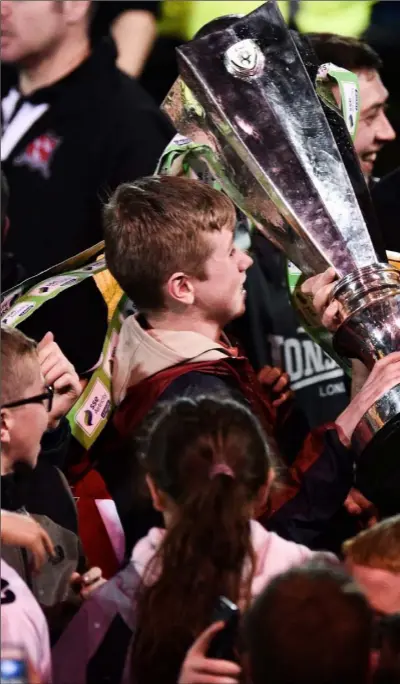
{"points": [[222, 646], [14, 666]]}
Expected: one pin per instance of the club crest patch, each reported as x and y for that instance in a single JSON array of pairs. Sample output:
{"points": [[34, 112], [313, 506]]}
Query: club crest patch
{"points": [[39, 153]]}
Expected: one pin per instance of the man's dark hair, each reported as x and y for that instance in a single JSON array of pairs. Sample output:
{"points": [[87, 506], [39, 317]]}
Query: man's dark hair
{"points": [[311, 625], [348, 53]]}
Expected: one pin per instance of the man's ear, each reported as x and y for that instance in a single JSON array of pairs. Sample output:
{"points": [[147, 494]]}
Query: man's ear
{"points": [[157, 496], [6, 426], [180, 289]]}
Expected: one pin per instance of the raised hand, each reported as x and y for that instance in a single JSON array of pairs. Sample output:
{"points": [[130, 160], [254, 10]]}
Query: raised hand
{"points": [[60, 373], [88, 582], [320, 288]]}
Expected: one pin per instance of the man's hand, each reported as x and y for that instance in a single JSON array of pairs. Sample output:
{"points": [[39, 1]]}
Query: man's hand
{"points": [[60, 373], [357, 504], [198, 669], [88, 582], [277, 382], [320, 288], [21, 530], [384, 375]]}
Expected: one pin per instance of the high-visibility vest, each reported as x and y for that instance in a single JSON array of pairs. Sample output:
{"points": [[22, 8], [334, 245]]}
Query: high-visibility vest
{"points": [[183, 18], [344, 17]]}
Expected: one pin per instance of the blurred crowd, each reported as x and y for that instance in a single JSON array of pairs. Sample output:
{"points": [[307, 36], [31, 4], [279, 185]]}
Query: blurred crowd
{"points": [[180, 499]]}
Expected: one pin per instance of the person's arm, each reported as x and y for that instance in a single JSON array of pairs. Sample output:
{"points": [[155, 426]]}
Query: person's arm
{"points": [[367, 387], [314, 489], [322, 475], [134, 31], [21, 530]]}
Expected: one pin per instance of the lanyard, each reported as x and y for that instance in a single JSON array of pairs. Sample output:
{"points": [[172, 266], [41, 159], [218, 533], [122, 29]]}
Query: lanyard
{"points": [[90, 414]]}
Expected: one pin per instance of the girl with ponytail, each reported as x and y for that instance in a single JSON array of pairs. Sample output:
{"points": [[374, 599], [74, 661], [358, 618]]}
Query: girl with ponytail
{"points": [[208, 469]]}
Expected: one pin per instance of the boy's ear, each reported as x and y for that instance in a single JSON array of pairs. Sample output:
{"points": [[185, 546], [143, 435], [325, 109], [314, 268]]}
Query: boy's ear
{"points": [[6, 425], [179, 290]]}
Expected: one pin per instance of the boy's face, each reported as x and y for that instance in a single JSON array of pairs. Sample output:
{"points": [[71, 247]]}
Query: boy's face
{"points": [[221, 297], [381, 587], [374, 129], [22, 427]]}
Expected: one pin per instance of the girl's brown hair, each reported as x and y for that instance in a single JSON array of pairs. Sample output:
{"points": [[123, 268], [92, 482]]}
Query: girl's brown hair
{"points": [[203, 552]]}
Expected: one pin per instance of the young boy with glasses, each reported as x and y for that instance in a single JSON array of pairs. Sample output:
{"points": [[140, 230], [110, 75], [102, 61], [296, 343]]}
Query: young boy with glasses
{"points": [[38, 387]]}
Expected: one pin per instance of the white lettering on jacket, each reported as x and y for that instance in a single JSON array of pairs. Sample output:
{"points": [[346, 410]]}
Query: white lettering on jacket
{"points": [[306, 363]]}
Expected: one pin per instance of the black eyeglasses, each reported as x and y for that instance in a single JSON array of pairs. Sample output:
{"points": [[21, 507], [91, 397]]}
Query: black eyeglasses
{"points": [[47, 396]]}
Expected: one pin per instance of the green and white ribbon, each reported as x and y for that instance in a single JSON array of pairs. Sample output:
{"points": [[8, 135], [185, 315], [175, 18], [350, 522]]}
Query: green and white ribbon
{"points": [[184, 157], [90, 414], [47, 289], [347, 82]]}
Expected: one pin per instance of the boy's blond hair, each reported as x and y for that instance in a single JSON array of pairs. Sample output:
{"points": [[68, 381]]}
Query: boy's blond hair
{"points": [[17, 370], [378, 547]]}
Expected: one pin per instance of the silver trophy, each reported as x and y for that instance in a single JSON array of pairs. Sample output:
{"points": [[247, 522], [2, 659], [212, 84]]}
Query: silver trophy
{"points": [[245, 93]]}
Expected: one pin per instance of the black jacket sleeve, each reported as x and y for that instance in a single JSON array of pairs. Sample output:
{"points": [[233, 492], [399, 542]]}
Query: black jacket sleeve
{"points": [[317, 486], [55, 444]]}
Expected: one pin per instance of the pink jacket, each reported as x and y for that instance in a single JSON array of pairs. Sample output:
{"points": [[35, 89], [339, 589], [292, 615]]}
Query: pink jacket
{"points": [[274, 555], [23, 623]]}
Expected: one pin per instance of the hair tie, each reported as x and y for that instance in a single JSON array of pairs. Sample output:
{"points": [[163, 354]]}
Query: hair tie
{"points": [[221, 469]]}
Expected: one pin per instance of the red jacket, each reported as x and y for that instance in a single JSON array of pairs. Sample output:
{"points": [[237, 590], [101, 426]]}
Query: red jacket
{"points": [[314, 487]]}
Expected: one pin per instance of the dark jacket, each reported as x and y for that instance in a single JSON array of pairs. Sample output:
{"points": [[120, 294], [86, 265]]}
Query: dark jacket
{"points": [[315, 484], [386, 199], [99, 130], [271, 333]]}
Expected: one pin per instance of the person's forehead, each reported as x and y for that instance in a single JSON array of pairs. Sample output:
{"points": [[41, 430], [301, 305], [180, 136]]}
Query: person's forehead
{"points": [[379, 585], [372, 90], [32, 375], [220, 240]]}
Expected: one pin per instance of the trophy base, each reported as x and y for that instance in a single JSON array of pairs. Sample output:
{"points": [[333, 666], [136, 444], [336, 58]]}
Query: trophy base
{"points": [[376, 440]]}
